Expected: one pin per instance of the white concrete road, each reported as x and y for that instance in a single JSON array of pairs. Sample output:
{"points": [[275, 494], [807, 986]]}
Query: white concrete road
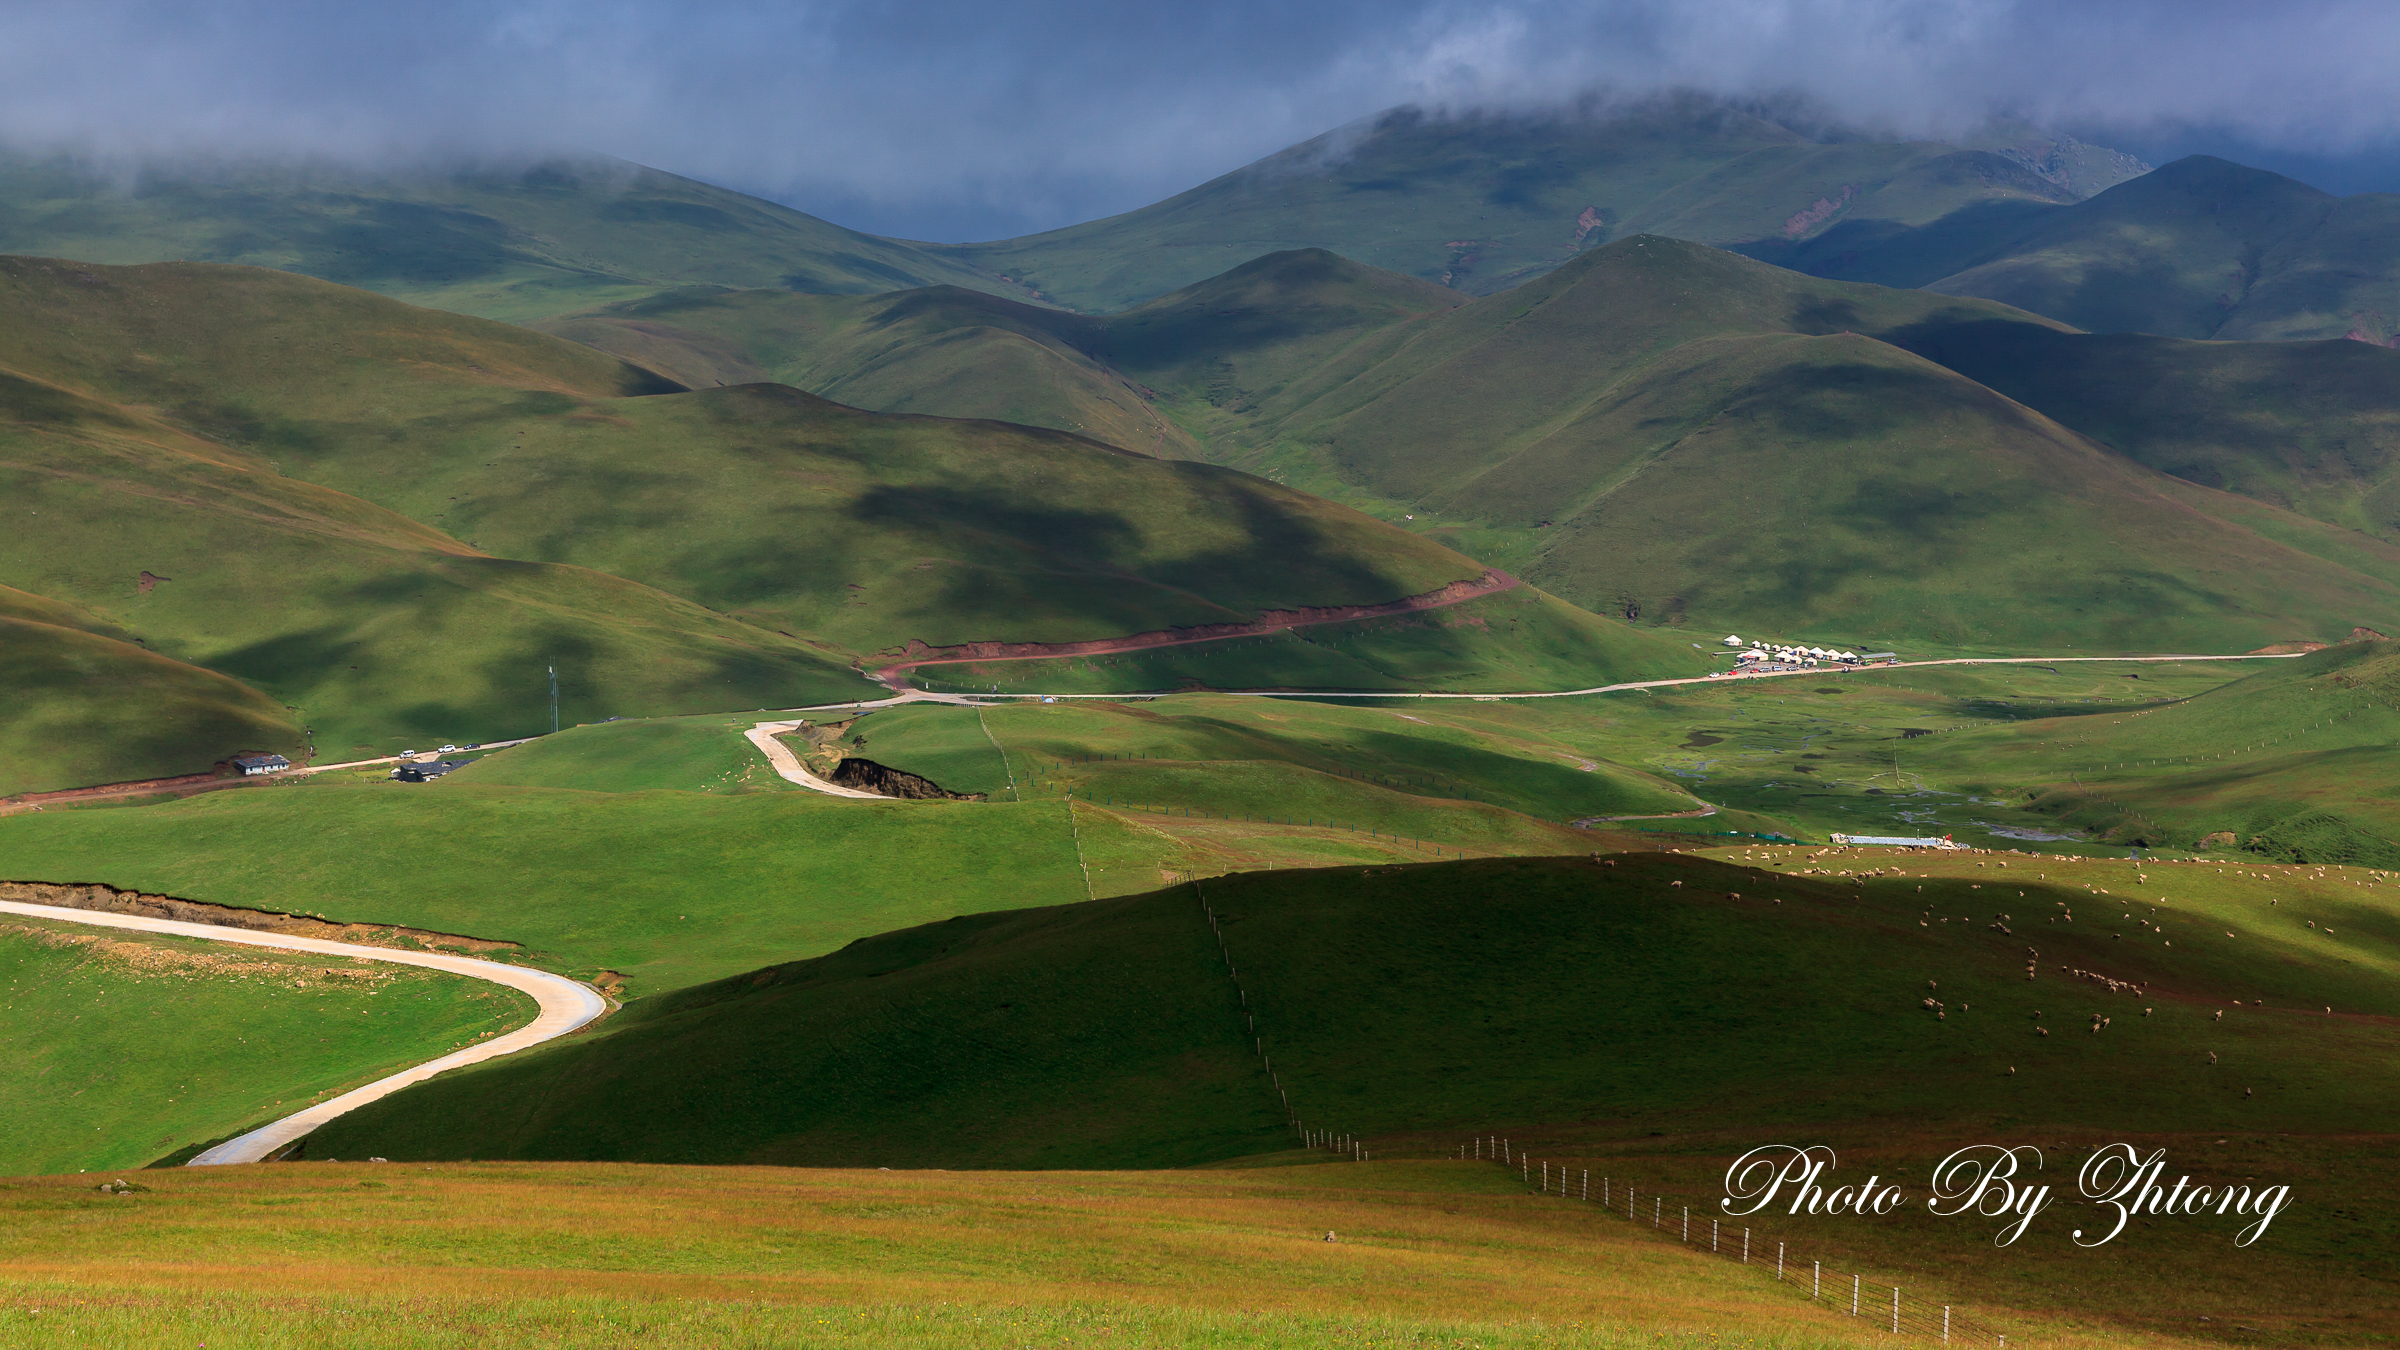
{"points": [[565, 1006], [973, 700]]}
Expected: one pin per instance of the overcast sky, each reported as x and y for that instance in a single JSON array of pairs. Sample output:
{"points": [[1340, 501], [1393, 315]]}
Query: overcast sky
{"points": [[963, 119]]}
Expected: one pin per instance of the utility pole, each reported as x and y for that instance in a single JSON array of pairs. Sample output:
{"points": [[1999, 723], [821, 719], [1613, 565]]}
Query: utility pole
{"points": [[554, 700]]}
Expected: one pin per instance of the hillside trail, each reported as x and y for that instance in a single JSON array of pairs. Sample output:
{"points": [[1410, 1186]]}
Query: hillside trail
{"points": [[565, 1005]]}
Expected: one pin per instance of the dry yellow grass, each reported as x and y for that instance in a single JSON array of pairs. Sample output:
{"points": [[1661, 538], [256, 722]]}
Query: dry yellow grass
{"points": [[1428, 1253]]}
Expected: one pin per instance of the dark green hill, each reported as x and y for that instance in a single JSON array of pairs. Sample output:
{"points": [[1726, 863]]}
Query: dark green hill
{"points": [[2312, 427], [1435, 998], [506, 242], [1481, 202], [2201, 248]]}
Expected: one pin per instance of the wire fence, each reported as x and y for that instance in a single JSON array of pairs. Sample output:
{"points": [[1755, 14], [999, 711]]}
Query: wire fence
{"points": [[1883, 1306]]}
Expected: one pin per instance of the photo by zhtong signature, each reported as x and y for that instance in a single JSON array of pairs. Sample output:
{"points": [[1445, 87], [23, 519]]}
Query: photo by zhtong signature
{"points": [[1996, 1182]]}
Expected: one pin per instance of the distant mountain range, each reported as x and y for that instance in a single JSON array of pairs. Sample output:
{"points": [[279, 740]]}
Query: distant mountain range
{"points": [[1478, 203]]}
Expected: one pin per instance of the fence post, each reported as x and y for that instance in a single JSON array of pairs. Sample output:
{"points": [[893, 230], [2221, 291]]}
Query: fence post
{"points": [[1779, 1261], [1945, 1324], [1854, 1296], [1712, 1235], [1816, 1279], [1745, 1246], [1655, 1203], [1587, 1185], [1895, 1310], [1524, 1169], [1687, 1223]]}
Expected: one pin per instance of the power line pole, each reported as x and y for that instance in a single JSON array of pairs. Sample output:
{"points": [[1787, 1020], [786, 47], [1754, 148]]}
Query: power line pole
{"points": [[554, 700]]}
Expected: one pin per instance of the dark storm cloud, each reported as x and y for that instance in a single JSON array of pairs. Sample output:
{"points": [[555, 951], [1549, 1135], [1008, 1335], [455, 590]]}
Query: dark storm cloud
{"points": [[959, 120]]}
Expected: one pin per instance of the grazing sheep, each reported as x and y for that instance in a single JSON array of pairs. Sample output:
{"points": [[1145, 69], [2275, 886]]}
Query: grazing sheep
{"points": [[2212, 1056], [2220, 1015]]}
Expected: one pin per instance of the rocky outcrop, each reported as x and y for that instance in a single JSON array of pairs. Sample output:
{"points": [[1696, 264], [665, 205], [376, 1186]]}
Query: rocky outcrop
{"points": [[865, 775]]}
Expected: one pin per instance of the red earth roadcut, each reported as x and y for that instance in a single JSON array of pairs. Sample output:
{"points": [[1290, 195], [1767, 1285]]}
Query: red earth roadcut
{"points": [[1492, 582]]}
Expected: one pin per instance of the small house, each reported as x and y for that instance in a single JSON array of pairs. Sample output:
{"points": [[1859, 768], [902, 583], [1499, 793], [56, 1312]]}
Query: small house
{"points": [[258, 764]]}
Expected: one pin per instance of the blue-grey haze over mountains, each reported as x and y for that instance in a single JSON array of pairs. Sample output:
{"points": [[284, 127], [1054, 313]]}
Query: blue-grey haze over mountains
{"points": [[951, 120]]}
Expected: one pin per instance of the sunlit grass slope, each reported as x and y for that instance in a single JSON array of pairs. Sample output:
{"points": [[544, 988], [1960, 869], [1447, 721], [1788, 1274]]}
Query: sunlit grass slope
{"points": [[503, 1256], [85, 708], [664, 887], [1450, 995], [380, 630], [2200, 248], [1581, 430], [512, 242], [2291, 762], [126, 1047], [1519, 639], [1865, 753], [1590, 428], [705, 753], [783, 513], [1482, 201]]}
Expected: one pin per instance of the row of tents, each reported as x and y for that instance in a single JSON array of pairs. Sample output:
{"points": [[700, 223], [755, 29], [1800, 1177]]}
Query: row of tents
{"points": [[1801, 655]]}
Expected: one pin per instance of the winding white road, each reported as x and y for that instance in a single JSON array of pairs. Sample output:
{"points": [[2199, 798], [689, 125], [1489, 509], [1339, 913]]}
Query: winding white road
{"points": [[565, 1006], [788, 765]]}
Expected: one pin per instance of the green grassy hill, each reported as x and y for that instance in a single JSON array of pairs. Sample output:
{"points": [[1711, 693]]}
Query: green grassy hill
{"points": [[1584, 430], [506, 242], [126, 1047], [1446, 997], [396, 520], [2201, 248], [1584, 398], [1482, 202], [1227, 340], [2287, 763], [2310, 427], [85, 709], [379, 629]]}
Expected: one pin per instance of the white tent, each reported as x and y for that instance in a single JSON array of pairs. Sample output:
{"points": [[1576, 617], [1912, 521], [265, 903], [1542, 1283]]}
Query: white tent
{"points": [[1732, 641]]}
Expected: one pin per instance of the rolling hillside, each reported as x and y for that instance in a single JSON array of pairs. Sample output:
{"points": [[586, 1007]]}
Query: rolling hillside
{"points": [[2310, 427], [396, 519], [70, 692], [1404, 1002], [1581, 430], [2201, 248], [2287, 763], [507, 241], [1483, 202]]}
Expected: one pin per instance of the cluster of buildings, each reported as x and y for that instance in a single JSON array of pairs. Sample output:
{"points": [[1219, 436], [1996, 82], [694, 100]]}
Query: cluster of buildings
{"points": [[1761, 656]]}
